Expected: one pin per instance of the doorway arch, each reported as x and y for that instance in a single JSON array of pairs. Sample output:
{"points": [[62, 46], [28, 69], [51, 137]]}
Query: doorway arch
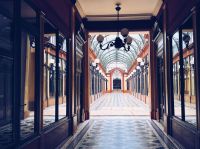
{"points": [[117, 84]]}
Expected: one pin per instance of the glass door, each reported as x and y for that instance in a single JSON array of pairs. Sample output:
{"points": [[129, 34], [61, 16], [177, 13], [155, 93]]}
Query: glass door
{"points": [[160, 77], [28, 59]]}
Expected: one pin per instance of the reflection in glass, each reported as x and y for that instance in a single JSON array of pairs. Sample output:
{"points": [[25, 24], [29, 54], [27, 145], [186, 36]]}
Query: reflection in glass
{"points": [[189, 69], [62, 77], [27, 104], [49, 80], [176, 74], [6, 73], [27, 13], [28, 100]]}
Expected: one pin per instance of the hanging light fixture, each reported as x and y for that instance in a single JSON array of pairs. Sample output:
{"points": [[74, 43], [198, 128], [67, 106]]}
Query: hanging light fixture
{"points": [[118, 43]]}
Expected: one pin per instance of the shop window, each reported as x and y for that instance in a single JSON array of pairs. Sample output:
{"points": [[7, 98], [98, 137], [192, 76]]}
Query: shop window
{"points": [[184, 73], [146, 62], [62, 77], [6, 73], [49, 78], [52, 75], [176, 72], [189, 71], [28, 44], [27, 105], [93, 85], [28, 14]]}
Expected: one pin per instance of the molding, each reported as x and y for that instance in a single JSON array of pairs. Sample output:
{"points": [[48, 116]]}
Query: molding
{"points": [[112, 26], [80, 10], [157, 8], [171, 143], [123, 17]]}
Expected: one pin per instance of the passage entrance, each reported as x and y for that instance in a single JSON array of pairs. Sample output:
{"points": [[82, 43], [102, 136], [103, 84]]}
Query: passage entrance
{"points": [[117, 84]]}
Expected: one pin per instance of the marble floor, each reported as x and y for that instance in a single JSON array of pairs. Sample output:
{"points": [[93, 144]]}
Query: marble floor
{"points": [[119, 104], [121, 133]]}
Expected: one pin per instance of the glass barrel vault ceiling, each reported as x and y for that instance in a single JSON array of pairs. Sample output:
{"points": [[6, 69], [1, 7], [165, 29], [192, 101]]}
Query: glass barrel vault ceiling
{"points": [[112, 58]]}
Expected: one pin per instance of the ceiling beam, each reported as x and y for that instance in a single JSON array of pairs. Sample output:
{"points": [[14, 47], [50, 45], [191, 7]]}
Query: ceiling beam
{"points": [[110, 26]]}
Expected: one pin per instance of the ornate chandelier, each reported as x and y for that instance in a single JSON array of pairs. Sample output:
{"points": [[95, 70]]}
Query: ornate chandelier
{"points": [[118, 43]]}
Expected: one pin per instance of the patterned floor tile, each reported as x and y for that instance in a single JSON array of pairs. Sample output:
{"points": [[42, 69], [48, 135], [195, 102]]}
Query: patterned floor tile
{"points": [[120, 134], [119, 104]]}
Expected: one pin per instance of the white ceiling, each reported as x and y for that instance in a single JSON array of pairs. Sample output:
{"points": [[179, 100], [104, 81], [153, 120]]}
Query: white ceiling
{"points": [[101, 10]]}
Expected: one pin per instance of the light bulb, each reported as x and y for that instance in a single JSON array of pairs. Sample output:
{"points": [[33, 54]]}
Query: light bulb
{"points": [[129, 40], [124, 32], [139, 59], [100, 38]]}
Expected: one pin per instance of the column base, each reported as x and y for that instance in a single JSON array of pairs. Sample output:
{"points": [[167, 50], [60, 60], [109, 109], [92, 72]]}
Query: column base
{"points": [[74, 123], [154, 115], [87, 115], [167, 123]]}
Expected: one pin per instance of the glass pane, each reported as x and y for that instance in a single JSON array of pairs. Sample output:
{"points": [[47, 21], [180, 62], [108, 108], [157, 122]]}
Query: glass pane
{"points": [[176, 73], [189, 69], [49, 80], [62, 77], [27, 13], [6, 73], [27, 104], [28, 100]]}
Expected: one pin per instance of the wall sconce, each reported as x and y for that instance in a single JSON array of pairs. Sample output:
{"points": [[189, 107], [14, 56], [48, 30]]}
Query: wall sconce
{"points": [[138, 67], [142, 63], [139, 59], [186, 39], [95, 63]]}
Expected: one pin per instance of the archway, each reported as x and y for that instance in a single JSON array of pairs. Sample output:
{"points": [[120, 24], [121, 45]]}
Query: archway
{"points": [[117, 84], [117, 80]]}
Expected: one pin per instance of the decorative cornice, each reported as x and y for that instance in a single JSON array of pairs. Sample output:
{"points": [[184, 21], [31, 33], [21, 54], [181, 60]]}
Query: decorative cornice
{"points": [[80, 10]]}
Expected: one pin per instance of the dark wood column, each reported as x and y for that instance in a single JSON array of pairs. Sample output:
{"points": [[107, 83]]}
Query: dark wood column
{"points": [[71, 71], [168, 75], [152, 79], [17, 73], [39, 54], [86, 79]]}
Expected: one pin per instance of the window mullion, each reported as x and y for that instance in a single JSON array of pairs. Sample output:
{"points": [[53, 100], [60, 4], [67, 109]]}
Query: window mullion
{"points": [[182, 81]]}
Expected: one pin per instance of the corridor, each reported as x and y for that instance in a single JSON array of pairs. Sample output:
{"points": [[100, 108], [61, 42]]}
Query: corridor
{"points": [[90, 74], [119, 104], [119, 120]]}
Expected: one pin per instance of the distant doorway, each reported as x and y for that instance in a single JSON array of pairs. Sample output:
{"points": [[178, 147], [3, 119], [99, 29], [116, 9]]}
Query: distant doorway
{"points": [[117, 84]]}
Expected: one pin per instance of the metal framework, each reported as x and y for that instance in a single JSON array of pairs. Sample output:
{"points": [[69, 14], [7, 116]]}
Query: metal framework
{"points": [[118, 56]]}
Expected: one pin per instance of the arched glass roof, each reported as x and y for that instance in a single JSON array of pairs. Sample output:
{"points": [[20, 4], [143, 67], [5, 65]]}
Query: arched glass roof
{"points": [[117, 75], [116, 64], [119, 57]]}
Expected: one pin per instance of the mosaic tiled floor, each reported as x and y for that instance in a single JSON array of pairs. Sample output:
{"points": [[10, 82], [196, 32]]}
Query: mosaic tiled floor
{"points": [[122, 133], [119, 104]]}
